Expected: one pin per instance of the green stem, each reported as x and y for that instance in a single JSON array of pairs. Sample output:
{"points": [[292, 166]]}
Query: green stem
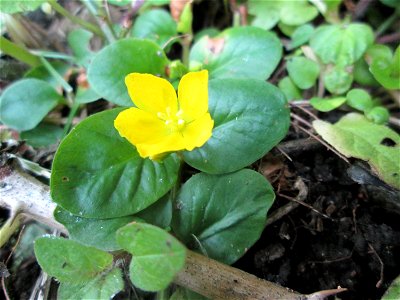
{"points": [[385, 25], [71, 115], [8, 229], [18, 52], [62, 11], [68, 89], [105, 27], [186, 41]]}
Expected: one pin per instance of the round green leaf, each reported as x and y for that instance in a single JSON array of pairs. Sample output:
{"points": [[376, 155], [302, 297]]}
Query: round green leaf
{"points": [[120, 2], [107, 71], [359, 99], [99, 233], [156, 25], [290, 90], [378, 115], [156, 255], [384, 68], [98, 174], [26, 102], [79, 42], [338, 80], [341, 44], [362, 75], [303, 71], [301, 36], [250, 118], [16, 6], [43, 135], [222, 215], [69, 261], [266, 13], [325, 105], [228, 55], [297, 12], [103, 287]]}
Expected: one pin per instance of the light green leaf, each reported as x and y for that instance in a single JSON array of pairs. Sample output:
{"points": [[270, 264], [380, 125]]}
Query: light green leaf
{"points": [[120, 2], [378, 115], [229, 56], [69, 261], [86, 95], [222, 215], [342, 45], [16, 6], [393, 291], [26, 102], [79, 41], [156, 255], [43, 135], [362, 75], [107, 71], [156, 25], [325, 105], [303, 71], [250, 118], [359, 99], [338, 80], [384, 68], [101, 287], [355, 136], [297, 12], [291, 91], [98, 174], [301, 35]]}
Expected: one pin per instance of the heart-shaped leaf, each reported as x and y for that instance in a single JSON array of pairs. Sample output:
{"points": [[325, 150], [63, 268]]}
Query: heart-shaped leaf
{"points": [[107, 71], [250, 117], [98, 174], [156, 255], [303, 71], [228, 55], [222, 215], [69, 261]]}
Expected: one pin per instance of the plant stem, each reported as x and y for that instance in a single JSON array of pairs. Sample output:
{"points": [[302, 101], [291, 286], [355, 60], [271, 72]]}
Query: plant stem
{"points": [[18, 52], [185, 42], [385, 25], [9, 228], [70, 118], [68, 89], [105, 27], [62, 11]]}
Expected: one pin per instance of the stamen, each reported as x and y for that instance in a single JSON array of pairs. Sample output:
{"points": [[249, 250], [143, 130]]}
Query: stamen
{"points": [[181, 122]]}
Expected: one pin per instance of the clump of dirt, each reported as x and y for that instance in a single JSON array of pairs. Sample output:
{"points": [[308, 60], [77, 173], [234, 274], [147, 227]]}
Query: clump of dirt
{"points": [[344, 238]]}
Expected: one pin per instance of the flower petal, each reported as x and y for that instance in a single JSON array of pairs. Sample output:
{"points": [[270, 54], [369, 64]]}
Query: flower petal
{"points": [[197, 133], [193, 94], [151, 93], [170, 143], [139, 126]]}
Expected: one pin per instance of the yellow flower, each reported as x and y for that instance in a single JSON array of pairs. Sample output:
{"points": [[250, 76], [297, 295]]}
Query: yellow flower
{"points": [[162, 122]]}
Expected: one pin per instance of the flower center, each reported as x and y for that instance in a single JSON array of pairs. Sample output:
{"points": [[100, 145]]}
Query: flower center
{"points": [[174, 122]]}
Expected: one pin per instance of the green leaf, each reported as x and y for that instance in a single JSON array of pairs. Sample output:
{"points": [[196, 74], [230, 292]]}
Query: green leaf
{"points": [[16, 6], [156, 25], [186, 294], [384, 68], [222, 215], [391, 3], [26, 102], [362, 75], [378, 115], [159, 213], [303, 71], [107, 71], [186, 19], [69, 261], [301, 35], [98, 174], [338, 80], [156, 255], [393, 291], [103, 287], [269, 13], [250, 118], [342, 45], [120, 2], [228, 54], [43, 135], [79, 41], [99, 233], [355, 136], [325, 105], [291, 91], [86, 95], [359, 99]]}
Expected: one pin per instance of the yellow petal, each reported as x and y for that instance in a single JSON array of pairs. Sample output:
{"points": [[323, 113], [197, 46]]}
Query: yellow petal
{"points": [[197, 133], [170, 143], [139, 126], [193, 94], [151, 93]]}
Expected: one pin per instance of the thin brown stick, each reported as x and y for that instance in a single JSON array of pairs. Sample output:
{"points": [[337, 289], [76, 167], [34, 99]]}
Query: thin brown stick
{"points": [[380, 281]]}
